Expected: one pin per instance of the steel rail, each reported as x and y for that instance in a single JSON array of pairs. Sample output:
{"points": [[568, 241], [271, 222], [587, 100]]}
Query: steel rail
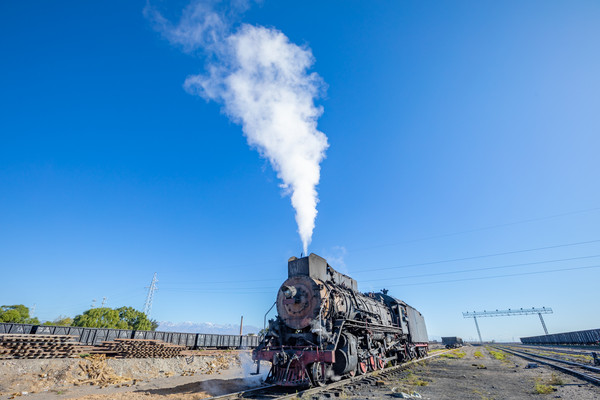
{"points": [[573, 363], [538, 359], [242, 393], [575, 349], [314, 390]]}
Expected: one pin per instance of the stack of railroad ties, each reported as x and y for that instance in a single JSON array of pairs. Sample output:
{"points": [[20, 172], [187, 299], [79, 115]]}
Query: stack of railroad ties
{"points": [[63, 346]]}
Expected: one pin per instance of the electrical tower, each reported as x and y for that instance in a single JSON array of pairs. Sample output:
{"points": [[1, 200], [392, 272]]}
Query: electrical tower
{"points": [[151, 289], [508, 313]]}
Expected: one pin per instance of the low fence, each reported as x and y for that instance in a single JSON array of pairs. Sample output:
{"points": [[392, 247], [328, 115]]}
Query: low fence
{"points": [[95, 336], [588, 337]]}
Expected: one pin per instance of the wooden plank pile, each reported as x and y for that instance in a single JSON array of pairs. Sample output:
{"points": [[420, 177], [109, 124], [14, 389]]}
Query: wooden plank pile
{"points": [[138, 348], [39, 346]]}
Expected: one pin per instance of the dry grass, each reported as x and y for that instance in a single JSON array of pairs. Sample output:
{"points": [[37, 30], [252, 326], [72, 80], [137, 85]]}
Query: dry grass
{"points": [[555, 380], [541, 388], [454, 354], [498, 355], [411, 381], [549, 385]]}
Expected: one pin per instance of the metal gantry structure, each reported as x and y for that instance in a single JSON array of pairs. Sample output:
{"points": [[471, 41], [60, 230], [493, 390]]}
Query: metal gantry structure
{"points": [[508, 313], [151, 289]]}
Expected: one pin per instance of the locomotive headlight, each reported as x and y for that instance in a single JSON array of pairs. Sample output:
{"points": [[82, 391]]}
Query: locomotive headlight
{"points": [[288, 291]]}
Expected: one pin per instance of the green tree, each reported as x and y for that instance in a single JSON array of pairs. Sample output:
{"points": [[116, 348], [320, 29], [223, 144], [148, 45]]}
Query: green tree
{"points": [[102, 317], [17, 313], [60, 321], [120, 318], [134, 319]]}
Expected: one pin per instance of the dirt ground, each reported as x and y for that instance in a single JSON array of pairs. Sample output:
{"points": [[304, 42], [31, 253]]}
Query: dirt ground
{"points": [[472, 372], [187, 378]]}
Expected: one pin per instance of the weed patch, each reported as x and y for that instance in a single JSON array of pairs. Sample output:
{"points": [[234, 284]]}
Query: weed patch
{"points": [[498, 355], [454, 354], [549, 385], [555, 380], [478, 354], [541, 388], [410, 381]]}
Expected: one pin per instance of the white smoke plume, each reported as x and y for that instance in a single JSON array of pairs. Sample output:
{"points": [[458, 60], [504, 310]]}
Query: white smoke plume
{"points": [[263, 83]]}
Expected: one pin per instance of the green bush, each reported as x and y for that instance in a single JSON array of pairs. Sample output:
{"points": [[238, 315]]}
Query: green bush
{"points": [[119, 318], [18, 314]]}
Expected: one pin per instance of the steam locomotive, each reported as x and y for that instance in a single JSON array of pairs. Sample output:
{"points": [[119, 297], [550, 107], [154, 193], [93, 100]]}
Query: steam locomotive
{"points": [[327, 330]]}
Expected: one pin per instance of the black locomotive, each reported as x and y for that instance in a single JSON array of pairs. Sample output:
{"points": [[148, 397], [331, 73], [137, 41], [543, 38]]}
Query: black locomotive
{"points": [[326, 330]]}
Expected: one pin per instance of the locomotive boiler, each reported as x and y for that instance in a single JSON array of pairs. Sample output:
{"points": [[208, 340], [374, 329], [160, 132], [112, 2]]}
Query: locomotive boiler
{"points": [[327, 330]]}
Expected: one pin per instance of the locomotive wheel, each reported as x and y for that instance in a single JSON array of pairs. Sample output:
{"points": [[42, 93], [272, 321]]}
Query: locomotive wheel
{"points": [[317, 374], [372, 365], [413, 353], [379, 362], [361, 368]]}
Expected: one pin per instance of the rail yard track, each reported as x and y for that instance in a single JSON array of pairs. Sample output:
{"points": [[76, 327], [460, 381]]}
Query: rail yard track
{"points": [[334, 389], [562, 349], [582, 371]]}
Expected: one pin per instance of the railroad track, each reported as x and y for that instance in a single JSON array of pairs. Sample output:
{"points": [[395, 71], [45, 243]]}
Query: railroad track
{"points": [[275, 392], [581, 371], [568, 350]]}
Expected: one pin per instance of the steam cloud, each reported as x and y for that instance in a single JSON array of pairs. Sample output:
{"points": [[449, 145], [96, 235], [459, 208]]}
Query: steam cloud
{"points": [[263, 83]]}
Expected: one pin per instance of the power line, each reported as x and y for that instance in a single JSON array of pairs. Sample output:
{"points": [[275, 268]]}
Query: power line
{"points": [[427, 283], [248, 290], [424, 263], [497, 276], [274, 262], [479, 229], [237, 289], [482, 269], [480, 256]]}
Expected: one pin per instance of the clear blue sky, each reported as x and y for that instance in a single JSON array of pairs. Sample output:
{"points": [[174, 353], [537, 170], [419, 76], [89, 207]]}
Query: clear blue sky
{"points": [[456, 130]]}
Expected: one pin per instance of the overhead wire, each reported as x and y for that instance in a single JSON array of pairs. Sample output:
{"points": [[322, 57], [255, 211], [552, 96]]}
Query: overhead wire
{"points": [[480, 229], [276, 262], [497, 276], [250, 289], [481, 269], [168, 287], [480, 256]]}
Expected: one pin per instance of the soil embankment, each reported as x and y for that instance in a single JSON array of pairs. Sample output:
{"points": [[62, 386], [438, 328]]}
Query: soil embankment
{"points": [[191, 377]]}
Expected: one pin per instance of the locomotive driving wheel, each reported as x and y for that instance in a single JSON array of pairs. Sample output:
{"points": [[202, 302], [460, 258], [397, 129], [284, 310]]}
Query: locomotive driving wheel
{"points": [[413, 353], [362, 367], [318, 374]]}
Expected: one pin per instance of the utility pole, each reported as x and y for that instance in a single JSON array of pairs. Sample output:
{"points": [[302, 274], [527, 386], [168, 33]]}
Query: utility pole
{"points": [[32, 310], [151, 289], [103, 301], [241, 325], [93, 303]]}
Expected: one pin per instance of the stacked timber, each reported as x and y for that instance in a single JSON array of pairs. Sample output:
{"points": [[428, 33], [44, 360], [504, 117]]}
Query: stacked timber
{"points": [[138, 348], [39, 346]]}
